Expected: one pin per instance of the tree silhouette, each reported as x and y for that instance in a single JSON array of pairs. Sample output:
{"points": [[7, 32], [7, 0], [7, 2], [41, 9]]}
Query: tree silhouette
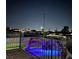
{"points": [[65, 30]]}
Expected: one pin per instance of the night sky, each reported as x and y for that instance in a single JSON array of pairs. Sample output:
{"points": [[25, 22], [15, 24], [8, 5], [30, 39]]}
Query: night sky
{"points": [[29, 13]]}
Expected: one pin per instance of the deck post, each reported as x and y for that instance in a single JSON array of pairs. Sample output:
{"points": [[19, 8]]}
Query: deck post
{"points": [[20, 40]]}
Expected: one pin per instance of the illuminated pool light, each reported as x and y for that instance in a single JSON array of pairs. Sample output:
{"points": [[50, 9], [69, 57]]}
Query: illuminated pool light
{"points": [[48, 48]]}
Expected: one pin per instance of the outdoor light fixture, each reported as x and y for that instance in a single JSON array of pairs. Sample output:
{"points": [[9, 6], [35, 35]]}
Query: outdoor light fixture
{"points": [[42, 48]]}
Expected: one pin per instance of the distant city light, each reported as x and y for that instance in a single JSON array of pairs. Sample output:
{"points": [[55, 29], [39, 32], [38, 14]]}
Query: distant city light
{"points": [[41, 27]]}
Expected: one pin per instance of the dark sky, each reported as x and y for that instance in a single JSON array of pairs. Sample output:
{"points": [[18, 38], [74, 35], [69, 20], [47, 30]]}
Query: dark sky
{"points": [[29, 13]]}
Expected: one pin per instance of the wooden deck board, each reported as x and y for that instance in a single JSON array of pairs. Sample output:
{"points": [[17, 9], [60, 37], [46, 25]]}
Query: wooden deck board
{"points": [[18, 54]]}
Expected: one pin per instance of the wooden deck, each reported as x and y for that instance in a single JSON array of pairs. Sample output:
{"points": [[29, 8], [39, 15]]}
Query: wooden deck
{"points": [[18, 54]]}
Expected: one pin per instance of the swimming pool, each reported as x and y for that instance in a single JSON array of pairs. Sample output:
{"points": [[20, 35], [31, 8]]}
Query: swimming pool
{"points": [[47, 48], [41, 52]]}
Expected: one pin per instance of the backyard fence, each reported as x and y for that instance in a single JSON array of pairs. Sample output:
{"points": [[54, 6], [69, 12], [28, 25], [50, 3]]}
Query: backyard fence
{"points": [[42, 48]]}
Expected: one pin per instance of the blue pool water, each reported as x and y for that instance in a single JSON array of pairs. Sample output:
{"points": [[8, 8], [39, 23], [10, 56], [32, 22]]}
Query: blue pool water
{"points": [[41, 52], [47, 48]]}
